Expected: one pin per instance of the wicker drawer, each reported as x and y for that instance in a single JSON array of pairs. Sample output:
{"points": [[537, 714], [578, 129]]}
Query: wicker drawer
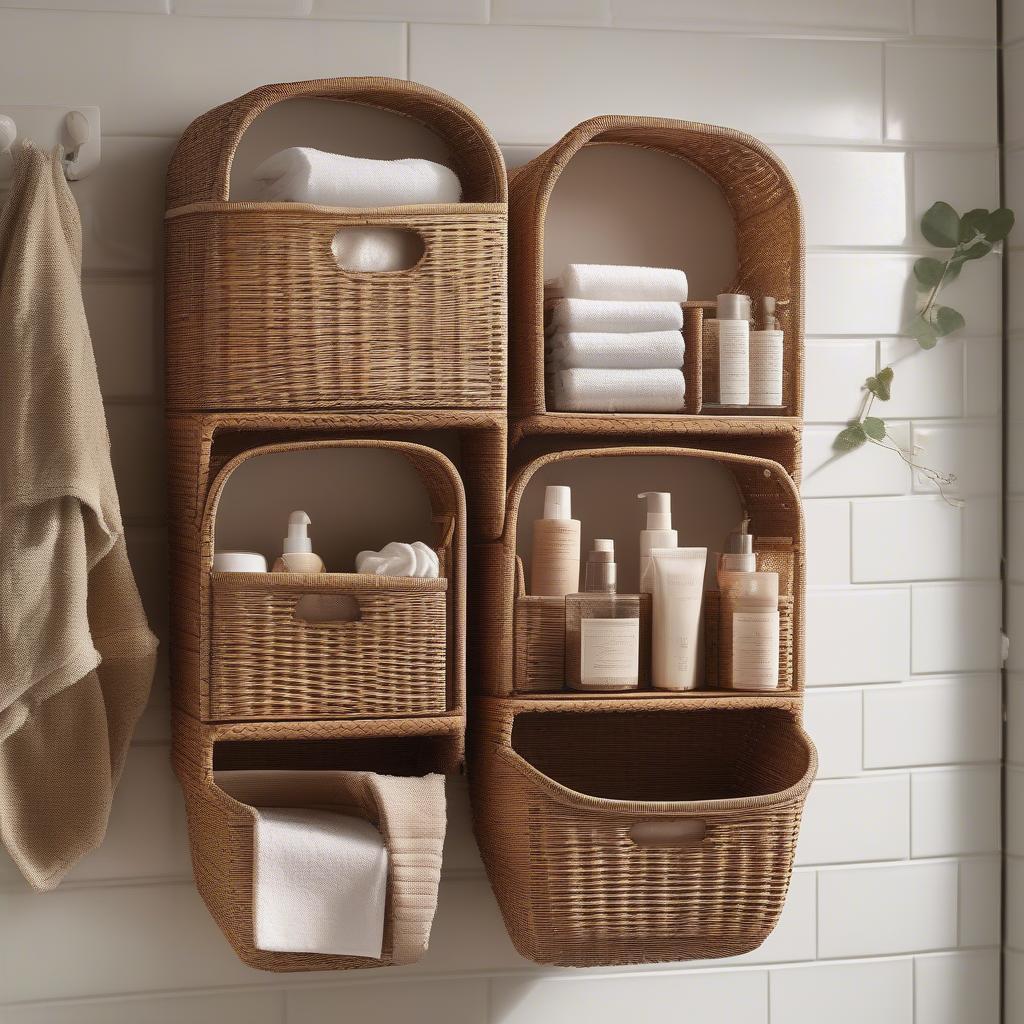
{"points": [[618, 836], [293, 646]]}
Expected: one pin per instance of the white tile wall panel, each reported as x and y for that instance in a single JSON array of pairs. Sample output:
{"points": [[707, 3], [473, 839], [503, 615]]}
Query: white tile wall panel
{"points": [[969, 450], [955, 811], [452, 1001], [237, 1007], [964, 179], [1013, 987], [835, 722], [983, 376], [940, 94], [898, 908], [1014, 801], [125, 6], [170, 71], [897, 539], [857, 635], [837, 369], [701, 996], [983, 538], [551, 12], [932, 722], [123, 319], [1013, 22], [244, 8], [1015, 718], [870, 16], [1015, 538], [564, 76], [827, 533], [881, 992], [137, 454], [1013, 895], [1013, 85], [850, 196], [926, 383], [955, 19], [1014, 298], [979, 901], [403, 10], [866, 471], [955, 627], [848, 820], [1015, 625], [951, 988]]}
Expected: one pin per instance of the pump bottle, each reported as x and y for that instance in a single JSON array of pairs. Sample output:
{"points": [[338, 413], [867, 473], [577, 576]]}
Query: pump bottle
{"points": [[659, 534], [297, 551]]}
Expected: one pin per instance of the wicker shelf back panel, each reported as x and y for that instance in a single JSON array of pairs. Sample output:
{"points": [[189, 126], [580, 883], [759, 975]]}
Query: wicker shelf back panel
{"points": [[614, 834], [769, 498], [769, 237], [404, 656], [260, 316]]}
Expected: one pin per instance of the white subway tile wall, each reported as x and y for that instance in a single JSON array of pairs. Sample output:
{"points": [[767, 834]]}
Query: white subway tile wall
{"points": [[879, 107]]}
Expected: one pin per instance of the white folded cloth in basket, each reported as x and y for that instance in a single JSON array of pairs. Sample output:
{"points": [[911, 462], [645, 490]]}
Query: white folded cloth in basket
{"points": [[619, 390], [376, 249], [644, 350], [304, 175], [569, 315], [321, 872], [609, 281]]}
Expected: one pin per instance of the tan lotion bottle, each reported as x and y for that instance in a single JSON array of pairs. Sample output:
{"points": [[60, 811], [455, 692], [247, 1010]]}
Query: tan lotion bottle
{"points": [[297, 554], [555, 561]]}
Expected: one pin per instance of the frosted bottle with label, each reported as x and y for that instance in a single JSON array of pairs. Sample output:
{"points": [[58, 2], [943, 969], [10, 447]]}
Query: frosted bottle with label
{"points": [[555, 560], [728, 337], [766, 347], [751, 599], [602, 629]]}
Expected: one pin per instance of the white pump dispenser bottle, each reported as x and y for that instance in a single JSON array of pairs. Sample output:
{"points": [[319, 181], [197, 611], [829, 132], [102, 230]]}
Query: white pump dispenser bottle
{"points": [[297, 549], [658, 534]]}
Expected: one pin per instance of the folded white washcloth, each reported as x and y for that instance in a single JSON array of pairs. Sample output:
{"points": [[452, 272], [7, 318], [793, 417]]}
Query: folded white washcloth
{"points": [[303, 175], [615, 317], [608, 281], [376, 249], [645, 350], [619, 390], [399, 559]]}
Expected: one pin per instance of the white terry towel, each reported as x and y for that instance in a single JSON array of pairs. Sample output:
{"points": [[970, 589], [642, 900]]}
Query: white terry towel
{"points": [[615, 317], [321, 869], [619, 390], [76, 653], [645, 350], [376, 249], [608, 281], [304, 175]]}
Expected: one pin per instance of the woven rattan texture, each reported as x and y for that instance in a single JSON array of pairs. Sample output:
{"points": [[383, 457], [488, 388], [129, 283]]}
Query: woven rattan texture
{"points": [[765, 208]]}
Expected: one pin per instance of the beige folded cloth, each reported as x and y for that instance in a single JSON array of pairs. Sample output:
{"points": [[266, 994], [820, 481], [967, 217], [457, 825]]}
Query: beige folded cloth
{"points": [[316, 875], [76, 653]]}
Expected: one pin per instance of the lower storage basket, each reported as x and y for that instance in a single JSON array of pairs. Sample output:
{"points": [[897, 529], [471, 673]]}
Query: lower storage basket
{"points": [[221, 834], [614, 835]]}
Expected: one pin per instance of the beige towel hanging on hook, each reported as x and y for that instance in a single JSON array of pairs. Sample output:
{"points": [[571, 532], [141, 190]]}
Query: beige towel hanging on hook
{"points": [[76, 653]]}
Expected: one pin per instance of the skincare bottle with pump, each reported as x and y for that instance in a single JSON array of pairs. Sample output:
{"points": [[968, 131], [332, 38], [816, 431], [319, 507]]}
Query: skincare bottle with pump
{"points": [[728, 337], [602, 629], [766, 358], [297, 551], [752, 601], [658, 534], [555, 560], [739, 555]]}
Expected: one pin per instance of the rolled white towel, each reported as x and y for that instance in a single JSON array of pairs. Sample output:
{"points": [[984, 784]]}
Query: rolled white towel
{"points": [[609, 281], [619, 390], [304, 175], [616, 317], [400, 559], [376, 249], [645, 350]]}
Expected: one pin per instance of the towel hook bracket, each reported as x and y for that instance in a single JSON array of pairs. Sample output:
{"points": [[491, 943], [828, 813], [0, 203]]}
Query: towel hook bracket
{"points": [[77, 129]]}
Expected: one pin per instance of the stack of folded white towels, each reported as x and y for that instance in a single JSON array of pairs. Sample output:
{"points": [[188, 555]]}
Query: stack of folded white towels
{"points": [[304, 175], [614, 341]]}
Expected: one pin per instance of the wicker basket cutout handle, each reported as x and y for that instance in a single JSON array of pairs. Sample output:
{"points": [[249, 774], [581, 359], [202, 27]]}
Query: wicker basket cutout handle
{"points": [[327, 609], [678, 833]]}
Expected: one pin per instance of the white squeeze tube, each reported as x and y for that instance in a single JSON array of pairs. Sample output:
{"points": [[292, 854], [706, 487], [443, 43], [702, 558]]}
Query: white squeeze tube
{"points": [[678, 597]]}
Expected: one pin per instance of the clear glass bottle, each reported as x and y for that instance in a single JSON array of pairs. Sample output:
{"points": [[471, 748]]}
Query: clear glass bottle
{"points": [[602, 629]]}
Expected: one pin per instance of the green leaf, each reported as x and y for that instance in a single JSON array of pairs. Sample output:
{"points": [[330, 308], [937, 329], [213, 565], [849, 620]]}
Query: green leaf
{"points": [[881, 384], [1000, 224], [874, 427], [973, 222], [923, 331], [947, 320], [941, 226], [953, 270], [976, 251], [852, 437], [928, 271]]}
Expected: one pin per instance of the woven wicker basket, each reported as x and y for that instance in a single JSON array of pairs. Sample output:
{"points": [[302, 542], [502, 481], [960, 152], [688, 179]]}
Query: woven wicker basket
{"points": [[769, 242], [618, 833], [258, 313], [502, 654], [221, 828], [405, 655]]}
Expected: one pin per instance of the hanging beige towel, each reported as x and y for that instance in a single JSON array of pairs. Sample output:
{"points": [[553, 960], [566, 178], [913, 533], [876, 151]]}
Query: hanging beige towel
{"points": [[76, 653]]}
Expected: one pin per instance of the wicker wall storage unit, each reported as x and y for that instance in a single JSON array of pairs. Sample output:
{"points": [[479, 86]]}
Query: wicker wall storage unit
{"points": [[260, 316], [770, 248]]}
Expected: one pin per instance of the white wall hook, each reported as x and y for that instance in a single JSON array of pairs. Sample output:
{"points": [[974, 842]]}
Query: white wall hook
{"points": [[8, 132], [76, 124], [77, 129]]}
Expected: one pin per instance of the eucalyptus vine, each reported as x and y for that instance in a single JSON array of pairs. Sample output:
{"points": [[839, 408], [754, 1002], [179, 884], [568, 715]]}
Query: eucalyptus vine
{"points": [[968, 237]]}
